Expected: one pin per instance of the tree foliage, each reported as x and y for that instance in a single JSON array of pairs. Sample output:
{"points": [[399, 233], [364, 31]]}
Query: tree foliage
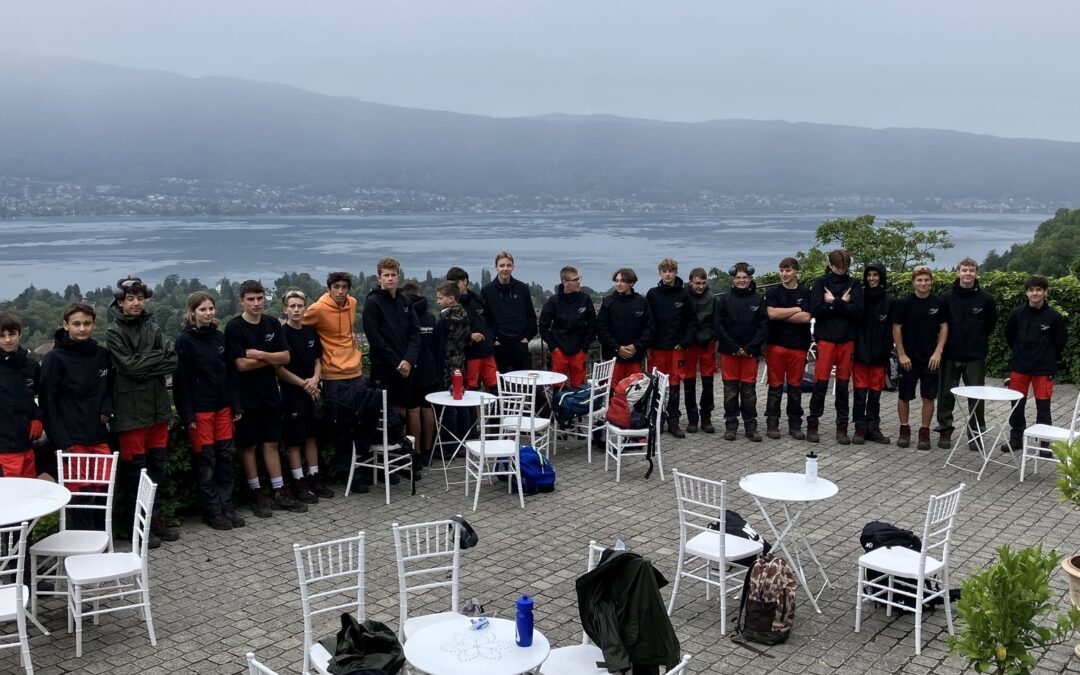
{"points": [[898, 244], [1054, 251]]}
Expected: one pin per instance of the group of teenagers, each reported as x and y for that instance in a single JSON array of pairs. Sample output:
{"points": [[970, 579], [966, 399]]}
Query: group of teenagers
{"points": [[256, 384]]}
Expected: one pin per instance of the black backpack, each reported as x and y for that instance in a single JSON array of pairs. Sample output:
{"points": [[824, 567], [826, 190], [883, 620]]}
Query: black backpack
{"points": [[736, 525], [877, 534]]}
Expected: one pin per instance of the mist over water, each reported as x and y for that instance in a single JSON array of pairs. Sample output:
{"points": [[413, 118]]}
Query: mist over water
{"points": [[52, 254]]}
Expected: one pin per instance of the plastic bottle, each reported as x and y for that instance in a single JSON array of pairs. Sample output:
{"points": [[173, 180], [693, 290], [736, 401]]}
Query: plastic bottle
{"points": [[524, 623], [811, 467], [457, 387]]}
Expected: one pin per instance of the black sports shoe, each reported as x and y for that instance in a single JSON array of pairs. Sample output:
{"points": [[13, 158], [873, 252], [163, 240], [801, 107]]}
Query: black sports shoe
{"points": [[317, 486], [303, 493], [235, 519], [260, 505], [284, 501], [162, 531], [218, 522]]}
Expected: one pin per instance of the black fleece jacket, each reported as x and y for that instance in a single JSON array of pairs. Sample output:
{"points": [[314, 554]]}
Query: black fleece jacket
{"points": [[1037, 339], [479, 322], [568, 322], [199, 383], [741, 321], [624, 320], [704, 306], [76, 390], [510, 310], [19, 375], [673, 313], [835, 321], [426, 373], [972, 316], [873, 330], [392, 330]]}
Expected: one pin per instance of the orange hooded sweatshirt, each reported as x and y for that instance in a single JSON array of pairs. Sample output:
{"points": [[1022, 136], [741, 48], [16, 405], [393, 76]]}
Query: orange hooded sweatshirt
{"points": [[340, 357]]}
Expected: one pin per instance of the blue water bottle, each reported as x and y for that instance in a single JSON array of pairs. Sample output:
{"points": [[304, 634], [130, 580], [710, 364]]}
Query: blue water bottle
{"points": [[524, 626]]}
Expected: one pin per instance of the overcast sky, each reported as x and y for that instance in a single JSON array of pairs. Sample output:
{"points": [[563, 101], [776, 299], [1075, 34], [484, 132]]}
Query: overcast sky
{"points": [[995, 66]]}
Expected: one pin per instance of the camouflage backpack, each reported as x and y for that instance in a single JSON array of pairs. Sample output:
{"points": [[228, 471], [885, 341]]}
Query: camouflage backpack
{"points": [[767, 608]]}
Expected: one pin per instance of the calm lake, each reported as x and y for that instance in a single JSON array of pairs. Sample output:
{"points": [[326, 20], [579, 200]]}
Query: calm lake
{"points": [[51, 253]]}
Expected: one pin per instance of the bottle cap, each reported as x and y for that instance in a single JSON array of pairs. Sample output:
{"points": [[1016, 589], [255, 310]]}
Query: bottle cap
{"points": [[811, 455], [525, 602]]}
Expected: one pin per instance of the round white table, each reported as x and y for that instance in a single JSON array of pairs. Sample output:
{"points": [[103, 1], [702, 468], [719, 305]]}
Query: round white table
{"points": [[29, 499], [443, 400], [452, 647], [786, 487], [985, 395], [541, 378]]}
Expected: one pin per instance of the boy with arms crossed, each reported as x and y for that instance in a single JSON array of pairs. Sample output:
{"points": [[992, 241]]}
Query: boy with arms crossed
{"points": [[920, 329], [788, 308], [835, 302]]}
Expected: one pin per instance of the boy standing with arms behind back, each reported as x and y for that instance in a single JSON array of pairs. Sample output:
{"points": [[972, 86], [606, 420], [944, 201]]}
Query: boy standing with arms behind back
{"points": [[920, 329]]}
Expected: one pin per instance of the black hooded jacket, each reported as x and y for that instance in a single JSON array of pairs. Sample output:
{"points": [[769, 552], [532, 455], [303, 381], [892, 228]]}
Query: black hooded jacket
{"points": [[426, 373], [76, 390], [972, 315], [835, 321], [741, 321], [392, 330], [704, 306], [674, 316], [873, 332], [510, 310], [199, 384], [624, 320], [568, 322], [1037, 339], [479, 322], [19, 375]]}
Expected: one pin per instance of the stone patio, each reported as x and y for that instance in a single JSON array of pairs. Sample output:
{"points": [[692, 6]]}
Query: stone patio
{"points": [[217, 595]]}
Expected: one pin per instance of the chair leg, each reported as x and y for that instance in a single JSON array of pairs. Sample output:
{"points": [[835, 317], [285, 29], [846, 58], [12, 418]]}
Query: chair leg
{"points": [[859, 598], [678, 578], [948, 602], [723, 598], [660, 465], [1024, 458], [352, 470], [386, 475], [889, 597], [618, 460], [33, 585], [146, 609], [24, 641], [918, 623], [479, 481], [521, 490], [76, 592]]}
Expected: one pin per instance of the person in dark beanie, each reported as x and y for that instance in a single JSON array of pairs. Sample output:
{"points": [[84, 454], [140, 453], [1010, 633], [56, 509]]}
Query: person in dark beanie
{"points": [[741, 325], [674, 325], [624, 326], [972, 315], [920, 329], [480, 369], [511, 315], [1036, 334], [873, 348], [568, 326], [835, 302], [701, 354], [788, 307], [20, 415], [142, 358], [201, 395]]}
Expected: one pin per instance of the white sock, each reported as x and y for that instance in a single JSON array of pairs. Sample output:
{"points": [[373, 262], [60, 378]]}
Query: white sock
{"points": [[253, 483], [313, 470], [277, 482], [297, 474]]}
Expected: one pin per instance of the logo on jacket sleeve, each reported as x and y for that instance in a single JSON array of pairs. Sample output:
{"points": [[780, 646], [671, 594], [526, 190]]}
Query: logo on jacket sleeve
{"points": [[310, 344], [103, 372], [1044, 327], [270, 336], [932, 311], [581, 310]]}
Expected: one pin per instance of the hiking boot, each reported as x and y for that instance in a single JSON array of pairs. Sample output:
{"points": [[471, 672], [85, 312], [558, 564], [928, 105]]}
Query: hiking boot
{"points": [[303, 493], [235, 519], [162, 531], [842, 435], [796, 433], [812, 431], [260, 505], [860, 436], [320, 488], [752, 432], [674, 430], [924, 438], [730, 432], [284, 501], [772, 428], [706, 425], [944, 440], [152, 541], [218, 522], [691, 427], [876, 436], [1014, 444], [904, 440]]}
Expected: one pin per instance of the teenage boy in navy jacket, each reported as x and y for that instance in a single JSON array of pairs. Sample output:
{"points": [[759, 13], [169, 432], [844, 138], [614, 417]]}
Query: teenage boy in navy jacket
{"points": [[20, 416], [568, 326], [741, 325], [674, 324], [920, 329], [624, 326], [836, 302], [511, 314], [788, 307]]}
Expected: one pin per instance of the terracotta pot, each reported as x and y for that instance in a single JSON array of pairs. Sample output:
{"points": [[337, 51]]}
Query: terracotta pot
{"points": [[1071, 565]]}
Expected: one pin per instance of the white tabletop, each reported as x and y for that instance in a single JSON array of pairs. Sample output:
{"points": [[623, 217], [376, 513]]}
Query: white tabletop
{"points": [[452, 647], [27, 499], [987, 393], [787, 486], [469, 399], [538, 377]]}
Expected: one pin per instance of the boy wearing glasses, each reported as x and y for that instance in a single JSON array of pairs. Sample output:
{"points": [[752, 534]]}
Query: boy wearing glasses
{"points": [[568, 326]]}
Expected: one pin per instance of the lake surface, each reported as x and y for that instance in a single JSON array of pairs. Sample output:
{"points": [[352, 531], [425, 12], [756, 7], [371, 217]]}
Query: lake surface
{"points": [[52, 253]]}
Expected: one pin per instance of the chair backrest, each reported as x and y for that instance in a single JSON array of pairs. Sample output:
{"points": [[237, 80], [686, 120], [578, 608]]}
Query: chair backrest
{"points": [[600, 383], [493, 413], [523, 385], [937, 532], [662, 381], [91, 478], [428, 556], [595, 552], [683, 666], [256, 668], [12, 555], [701, 504], [331, 578], [144, 504], [384, 424]]}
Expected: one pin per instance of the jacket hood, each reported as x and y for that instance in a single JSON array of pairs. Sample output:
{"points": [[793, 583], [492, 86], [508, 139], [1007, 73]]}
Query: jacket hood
{"points": [[203, 333], [872, 293], [752, 288], [15, 359], [675, 285], [419, 304], [560, 291], [966, 292], [61, 340], [330, 305]]}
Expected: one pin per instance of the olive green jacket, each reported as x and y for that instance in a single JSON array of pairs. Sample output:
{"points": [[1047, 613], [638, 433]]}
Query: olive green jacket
{"points": [[141, 358]]}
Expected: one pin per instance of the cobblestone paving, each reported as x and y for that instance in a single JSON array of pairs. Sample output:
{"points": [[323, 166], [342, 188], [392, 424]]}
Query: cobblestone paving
{"points": [[218, 595]]}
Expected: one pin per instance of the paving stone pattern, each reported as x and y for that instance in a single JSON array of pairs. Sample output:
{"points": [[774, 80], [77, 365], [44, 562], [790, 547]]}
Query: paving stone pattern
{"points": [[218, 595]]}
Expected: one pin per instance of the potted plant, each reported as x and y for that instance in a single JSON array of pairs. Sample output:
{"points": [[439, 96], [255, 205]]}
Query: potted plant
{"points": [[1069, 485], [1006, 612]]}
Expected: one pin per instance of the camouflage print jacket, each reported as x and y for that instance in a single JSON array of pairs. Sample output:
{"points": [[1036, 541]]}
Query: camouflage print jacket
{"points": [[452, 333]]}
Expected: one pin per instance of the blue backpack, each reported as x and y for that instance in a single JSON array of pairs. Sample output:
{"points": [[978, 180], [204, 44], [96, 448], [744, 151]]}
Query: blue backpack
{"points": [[537, 473], [570, 404]]}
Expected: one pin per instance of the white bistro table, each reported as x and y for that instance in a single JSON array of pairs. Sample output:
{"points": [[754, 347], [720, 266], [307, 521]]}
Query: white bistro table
{"points": [[443, 400], [987, 395], [542, 380], [28, 499], [794, 493], [452, 647]]}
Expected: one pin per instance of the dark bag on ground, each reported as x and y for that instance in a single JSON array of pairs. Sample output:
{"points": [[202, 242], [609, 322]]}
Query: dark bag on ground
{"points": [[368, 648], [736, 525], [877, 534], [767, 606], [537, 473]]}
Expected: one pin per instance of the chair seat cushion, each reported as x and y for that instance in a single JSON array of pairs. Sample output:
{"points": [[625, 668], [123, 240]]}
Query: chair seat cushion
{"points": [[707, 545], [898, 561], [320, 659], [495, 448], [89, 569], [1047, 432], [576, 660], [71, 542], [619, 431], [415, 623], [7, 602], [527, 423]]}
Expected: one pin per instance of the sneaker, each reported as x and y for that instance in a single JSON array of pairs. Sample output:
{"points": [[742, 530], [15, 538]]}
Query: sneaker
{"points": [[234, 519], [303, 493], [218, 522], [319, 487], [260, 505], [924, 438], [284, 501]]}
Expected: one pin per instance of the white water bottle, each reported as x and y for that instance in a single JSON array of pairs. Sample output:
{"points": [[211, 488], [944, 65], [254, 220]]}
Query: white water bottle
{"points": [[811, 467]]}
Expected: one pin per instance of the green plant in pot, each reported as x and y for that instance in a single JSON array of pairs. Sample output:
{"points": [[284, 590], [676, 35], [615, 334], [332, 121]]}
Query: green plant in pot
{"points": [[1068, 483], [1007, 612]]}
